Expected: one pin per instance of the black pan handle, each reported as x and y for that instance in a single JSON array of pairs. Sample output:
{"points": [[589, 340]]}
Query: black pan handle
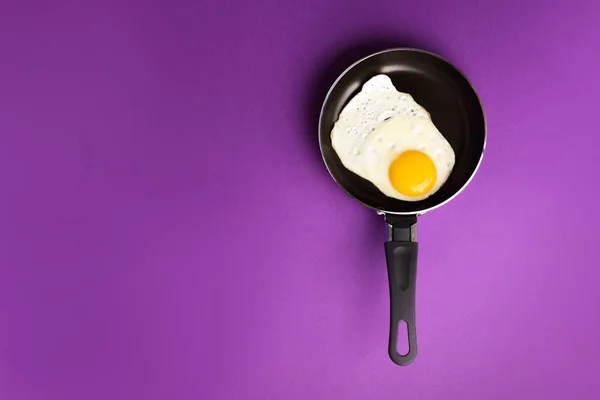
{"points": [[401, 256]]}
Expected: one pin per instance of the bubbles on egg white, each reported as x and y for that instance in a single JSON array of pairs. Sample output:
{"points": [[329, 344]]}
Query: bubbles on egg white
{"points": [[387, 114]]}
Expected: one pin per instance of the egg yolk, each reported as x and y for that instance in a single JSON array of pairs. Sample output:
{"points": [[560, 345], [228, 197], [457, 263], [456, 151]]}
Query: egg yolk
{"points": [[412, 173]]}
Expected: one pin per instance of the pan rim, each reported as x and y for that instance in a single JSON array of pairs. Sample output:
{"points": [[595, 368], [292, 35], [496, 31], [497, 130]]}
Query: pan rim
{"points": [[416, 212]]}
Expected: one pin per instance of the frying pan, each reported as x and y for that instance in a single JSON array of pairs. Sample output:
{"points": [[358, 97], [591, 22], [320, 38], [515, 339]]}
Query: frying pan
{"points": [[456, 111]]}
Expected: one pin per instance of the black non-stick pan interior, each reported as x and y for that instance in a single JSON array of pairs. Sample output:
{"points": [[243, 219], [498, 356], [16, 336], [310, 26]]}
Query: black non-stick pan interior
{"points": [[436, 85]]}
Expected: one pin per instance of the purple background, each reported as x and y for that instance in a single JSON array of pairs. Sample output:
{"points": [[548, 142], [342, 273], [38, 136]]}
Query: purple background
{"points": [[168, 230]]}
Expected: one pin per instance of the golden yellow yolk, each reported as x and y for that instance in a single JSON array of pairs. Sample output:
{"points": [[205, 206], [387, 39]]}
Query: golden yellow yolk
{"points": [[412, 173]]}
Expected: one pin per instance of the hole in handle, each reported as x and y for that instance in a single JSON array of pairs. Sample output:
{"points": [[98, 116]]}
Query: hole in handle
{"points": [[402, 346]]}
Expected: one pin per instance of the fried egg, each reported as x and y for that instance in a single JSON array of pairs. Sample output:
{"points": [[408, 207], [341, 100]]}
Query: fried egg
{"points": [[385, 137]]}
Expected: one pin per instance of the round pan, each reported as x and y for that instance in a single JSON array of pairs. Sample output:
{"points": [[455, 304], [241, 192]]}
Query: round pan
{"points": [[442, 90], [456, 111]]}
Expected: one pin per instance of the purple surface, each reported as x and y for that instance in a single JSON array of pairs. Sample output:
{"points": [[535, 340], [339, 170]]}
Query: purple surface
{"points": [[168, 230]]}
